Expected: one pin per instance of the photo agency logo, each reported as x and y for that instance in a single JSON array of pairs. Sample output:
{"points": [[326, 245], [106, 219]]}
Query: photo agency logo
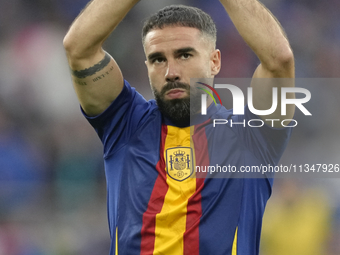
{"points": [[239, 107]]}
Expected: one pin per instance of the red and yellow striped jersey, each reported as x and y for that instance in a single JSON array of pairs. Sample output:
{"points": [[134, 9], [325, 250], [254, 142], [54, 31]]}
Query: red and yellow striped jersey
{"points": [[158, 203]]}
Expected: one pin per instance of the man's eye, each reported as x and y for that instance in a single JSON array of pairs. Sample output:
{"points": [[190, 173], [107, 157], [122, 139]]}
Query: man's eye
{"points": [[185, 55], [158, 60]]}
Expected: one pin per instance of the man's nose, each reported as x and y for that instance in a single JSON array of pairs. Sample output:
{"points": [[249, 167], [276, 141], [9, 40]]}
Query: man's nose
{"points": [[172, 72]]}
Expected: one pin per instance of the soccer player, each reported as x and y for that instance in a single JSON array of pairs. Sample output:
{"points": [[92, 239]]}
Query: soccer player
{"points": [[150, 149]]}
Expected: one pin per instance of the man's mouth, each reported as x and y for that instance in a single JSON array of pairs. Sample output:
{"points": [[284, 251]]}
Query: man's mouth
{"points": [[175, 93]]}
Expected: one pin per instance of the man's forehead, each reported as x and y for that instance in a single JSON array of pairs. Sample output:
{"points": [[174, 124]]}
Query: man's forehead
{"points": [[176, 37]]}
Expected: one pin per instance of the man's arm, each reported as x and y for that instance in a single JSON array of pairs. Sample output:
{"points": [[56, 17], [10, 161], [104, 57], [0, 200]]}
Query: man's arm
{"points": [[96, 76], [265, 36]]}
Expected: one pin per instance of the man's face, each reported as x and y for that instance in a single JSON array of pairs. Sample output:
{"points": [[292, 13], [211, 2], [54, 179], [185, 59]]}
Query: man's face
{"points": [[174, 55]]}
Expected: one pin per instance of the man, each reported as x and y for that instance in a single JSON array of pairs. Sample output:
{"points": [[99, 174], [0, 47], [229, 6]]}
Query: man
{"points": [[150, 150]]}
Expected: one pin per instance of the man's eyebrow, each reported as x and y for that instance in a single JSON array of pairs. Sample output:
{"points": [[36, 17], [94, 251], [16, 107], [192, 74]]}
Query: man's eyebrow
{"points": [[178, 51], [185, 50], [155, 55]]}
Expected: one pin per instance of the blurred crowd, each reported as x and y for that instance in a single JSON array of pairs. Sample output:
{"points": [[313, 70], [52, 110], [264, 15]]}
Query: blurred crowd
{"points": [[52, 183]]}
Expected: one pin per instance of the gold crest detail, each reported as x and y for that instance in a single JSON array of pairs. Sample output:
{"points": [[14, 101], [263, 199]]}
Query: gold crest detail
{"points": [[179, 163]]}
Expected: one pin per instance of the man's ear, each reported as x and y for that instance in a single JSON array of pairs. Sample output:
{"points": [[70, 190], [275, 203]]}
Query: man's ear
{"points": [[215, 60]]}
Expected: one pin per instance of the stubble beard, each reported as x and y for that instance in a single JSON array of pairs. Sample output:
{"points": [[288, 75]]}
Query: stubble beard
{"points": [[179, 110]]}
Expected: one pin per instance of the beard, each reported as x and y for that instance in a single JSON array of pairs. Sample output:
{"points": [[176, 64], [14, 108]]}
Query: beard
{"points": [[179, 110]]}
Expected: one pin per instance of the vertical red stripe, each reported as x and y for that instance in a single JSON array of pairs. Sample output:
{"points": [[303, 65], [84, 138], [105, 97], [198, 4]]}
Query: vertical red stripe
{"points": [[194, 208], [155, 203]]}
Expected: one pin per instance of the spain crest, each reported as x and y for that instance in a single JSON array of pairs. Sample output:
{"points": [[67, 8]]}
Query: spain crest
{"points": [[179, 163]]}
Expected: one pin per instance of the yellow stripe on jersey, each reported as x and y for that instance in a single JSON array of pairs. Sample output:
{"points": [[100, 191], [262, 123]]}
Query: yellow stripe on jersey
{"points": [[171, 221], [234, 250], [116, 252]]}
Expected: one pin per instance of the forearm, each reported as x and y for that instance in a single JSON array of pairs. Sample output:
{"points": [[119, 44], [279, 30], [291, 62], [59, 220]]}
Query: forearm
{"points": [[261, 31], [90, 29]]}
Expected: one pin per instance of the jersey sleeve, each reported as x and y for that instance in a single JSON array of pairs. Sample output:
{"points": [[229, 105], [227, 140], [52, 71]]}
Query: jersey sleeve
{"points": [[266, 143], [121, 119]]}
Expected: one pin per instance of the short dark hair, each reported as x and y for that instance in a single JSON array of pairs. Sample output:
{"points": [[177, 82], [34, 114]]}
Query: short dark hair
{"points": [[180, 15]]}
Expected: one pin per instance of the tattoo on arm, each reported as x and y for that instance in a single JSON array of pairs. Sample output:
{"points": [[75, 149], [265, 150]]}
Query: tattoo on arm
{"points": [[83, 83], [102, 76], [94, 69]]}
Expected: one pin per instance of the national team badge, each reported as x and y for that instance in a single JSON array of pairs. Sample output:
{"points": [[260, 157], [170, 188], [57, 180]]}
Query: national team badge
{"points": [[179, 163]]}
